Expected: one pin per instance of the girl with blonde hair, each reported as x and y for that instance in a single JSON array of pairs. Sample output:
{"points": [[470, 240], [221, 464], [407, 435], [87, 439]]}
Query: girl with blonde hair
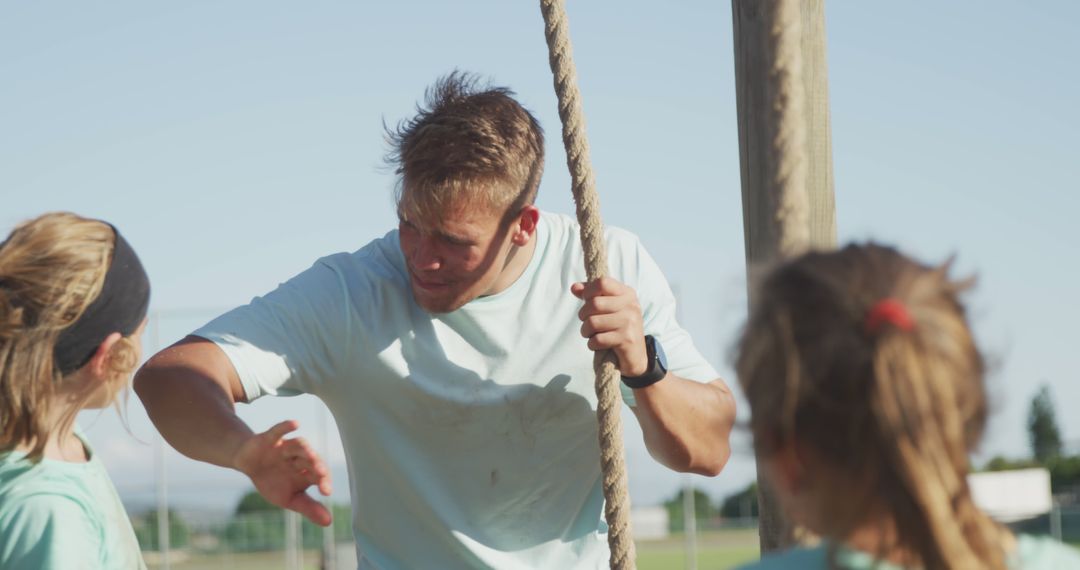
{"points": [[867, 394], [73, 302]]}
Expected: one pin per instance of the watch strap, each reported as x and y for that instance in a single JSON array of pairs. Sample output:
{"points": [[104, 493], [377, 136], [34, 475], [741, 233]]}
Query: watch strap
{"points": [[655, 371]]}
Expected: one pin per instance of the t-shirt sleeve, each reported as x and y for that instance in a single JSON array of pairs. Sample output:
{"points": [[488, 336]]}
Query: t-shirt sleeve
{"points": [[50, 532], [1043, 552], [289, 341], [658, 313]]}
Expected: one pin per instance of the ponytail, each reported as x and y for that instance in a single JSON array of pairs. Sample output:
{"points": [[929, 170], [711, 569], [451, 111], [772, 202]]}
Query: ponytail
{"points": [[51, 269]]}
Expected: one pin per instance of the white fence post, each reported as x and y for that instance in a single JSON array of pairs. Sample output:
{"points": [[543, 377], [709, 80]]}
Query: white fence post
{"points": [[1055, 521], [159, 466], [292, 539], [690, 523]]}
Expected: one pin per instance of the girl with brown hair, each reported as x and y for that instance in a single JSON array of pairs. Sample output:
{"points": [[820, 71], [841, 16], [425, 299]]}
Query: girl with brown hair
{"points": [[867, 394], [73, 302]]}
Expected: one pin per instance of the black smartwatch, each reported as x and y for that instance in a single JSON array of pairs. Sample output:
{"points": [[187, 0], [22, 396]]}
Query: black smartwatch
{"points": [[657, 367]]}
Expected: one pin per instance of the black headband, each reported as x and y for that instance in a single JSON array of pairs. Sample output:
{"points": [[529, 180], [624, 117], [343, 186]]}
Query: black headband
{"points": [[120, 307]]}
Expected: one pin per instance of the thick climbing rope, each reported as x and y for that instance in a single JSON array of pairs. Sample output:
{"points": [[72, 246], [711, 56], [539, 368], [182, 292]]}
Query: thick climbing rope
{"points": [[583, 184]]}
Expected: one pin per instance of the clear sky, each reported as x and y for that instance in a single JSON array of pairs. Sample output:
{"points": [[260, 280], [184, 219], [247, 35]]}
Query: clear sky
{"points": [[236, 142]]}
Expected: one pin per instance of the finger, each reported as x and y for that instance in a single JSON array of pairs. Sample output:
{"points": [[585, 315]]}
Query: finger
{"points": [[302, 478], [324, 485], [607, 340], [597, 324], [610, 286], [302, 463], [313, 471], [577, 289], [604, 286], [305, 478], [299, 449], [312, 510], [305, 458], [281, 430], [604, 304]]}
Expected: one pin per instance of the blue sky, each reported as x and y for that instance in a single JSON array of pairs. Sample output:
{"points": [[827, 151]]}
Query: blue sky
{"points": [[235, 143]]}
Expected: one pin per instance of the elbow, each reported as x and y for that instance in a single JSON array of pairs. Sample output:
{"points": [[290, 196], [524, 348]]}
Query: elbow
{"points": [[712, 457], [712, 465], [143, 382], [698, 441], [139, 384], [707, 460], [702, 459]]}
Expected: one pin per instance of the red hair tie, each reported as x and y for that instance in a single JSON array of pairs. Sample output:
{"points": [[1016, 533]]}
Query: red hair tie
{"points": [[889, 311]]}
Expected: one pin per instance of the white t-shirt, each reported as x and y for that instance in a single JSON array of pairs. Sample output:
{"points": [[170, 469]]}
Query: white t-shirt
{"points": [[470, 436]]}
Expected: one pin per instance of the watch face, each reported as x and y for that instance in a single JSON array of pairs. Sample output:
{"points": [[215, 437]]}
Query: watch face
{"points": [[660, 356], [657, 370]]}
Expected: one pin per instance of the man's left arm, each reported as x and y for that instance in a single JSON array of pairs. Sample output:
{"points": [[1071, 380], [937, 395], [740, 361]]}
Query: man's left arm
{"points": [[686, 424]]}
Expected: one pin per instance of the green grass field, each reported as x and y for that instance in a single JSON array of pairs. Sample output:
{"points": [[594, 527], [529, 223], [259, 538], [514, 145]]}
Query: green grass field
{"points": [[716, 550]]}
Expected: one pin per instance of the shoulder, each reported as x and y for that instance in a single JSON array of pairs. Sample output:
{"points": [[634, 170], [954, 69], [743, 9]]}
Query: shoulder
{"points": [[35, 516], [39, 491], [378, 263], [805, 558], [1041, 552], [624, 249], [379, 258], [335, 278], [565, 227], [39, 506]]}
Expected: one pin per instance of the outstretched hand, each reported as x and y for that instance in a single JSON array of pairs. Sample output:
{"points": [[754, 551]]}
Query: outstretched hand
{"points": [[282, 470]]}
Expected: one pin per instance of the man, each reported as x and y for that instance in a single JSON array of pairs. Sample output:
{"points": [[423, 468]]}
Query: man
{"points": [[450, 352]]}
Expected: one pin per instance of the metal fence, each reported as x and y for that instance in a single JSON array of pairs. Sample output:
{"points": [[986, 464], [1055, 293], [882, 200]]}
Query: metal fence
{"points": [[172, 539], [271, 540], [1061, 523]]}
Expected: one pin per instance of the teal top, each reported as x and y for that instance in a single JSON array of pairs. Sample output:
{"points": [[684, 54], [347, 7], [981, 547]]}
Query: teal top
{"points": [[60, 515], [1032, 553]]}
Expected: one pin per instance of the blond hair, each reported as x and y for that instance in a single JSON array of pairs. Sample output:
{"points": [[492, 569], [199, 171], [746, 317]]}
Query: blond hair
{"points": [[892, 412], [51, 269], [468, 146]]}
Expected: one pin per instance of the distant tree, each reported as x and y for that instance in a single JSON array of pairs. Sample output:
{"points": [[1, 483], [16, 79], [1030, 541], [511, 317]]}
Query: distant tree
{"points": [[1064, 469], [999, 463], [703, 509], [253, 502], [1064, 473], [741, 504], [1042, 427], [146, 532], [257, 524]]}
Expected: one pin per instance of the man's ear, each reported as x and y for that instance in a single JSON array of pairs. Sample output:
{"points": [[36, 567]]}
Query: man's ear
{"points": [[98, 364], [525, 225]]}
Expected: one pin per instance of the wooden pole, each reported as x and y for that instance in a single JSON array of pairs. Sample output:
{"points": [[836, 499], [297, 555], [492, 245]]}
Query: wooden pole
{"points": [[785, 154]]}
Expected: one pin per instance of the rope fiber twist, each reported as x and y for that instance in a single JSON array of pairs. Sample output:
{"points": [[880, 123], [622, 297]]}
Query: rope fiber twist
{"points": [[583, 185]]}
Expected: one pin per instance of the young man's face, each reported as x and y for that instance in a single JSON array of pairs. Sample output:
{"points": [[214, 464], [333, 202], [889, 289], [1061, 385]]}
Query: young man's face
{"points": [[457, 258]]}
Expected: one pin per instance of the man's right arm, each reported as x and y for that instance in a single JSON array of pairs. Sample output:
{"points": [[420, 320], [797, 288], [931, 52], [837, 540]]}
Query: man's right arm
{"points": [[190, 390]]}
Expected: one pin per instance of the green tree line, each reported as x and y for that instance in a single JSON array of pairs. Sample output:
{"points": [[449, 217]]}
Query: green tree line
{"points": [[1044, 437]]}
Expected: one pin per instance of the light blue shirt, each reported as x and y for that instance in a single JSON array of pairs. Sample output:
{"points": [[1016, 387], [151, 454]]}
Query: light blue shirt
{"points": [[58, 515], [471, 436]]}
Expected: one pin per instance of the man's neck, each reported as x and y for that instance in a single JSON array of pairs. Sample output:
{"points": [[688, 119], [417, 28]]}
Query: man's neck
{"points": [[517, 260]]}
